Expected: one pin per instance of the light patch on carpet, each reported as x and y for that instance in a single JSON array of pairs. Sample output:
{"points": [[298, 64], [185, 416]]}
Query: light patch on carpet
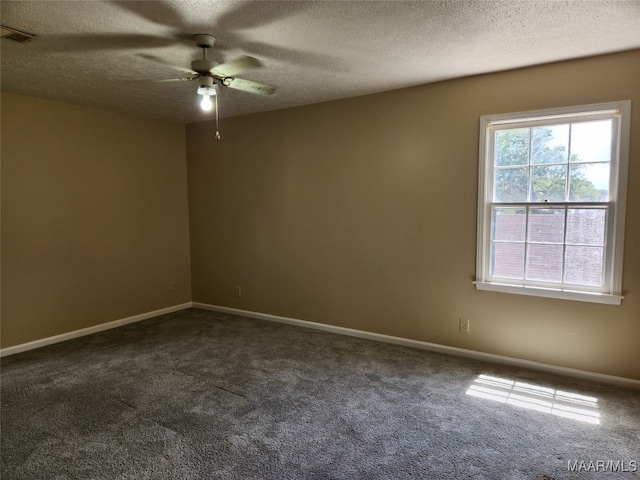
{"points": [[534, 397]]}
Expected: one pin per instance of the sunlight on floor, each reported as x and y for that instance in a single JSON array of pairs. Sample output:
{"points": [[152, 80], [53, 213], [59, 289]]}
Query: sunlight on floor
{"points": [[534, 397]]}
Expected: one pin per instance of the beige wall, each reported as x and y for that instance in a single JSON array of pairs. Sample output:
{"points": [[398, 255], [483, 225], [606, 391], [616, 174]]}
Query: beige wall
{"points": [[94, 217], [359, 213], [362, 213]]}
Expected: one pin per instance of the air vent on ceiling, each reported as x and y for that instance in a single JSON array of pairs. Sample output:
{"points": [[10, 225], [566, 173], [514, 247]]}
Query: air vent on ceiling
{"points": [[15, 35]]}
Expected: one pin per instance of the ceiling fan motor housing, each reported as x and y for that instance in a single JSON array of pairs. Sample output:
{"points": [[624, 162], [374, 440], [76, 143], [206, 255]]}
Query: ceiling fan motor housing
{"points": [[205, 82], [202, 66]]}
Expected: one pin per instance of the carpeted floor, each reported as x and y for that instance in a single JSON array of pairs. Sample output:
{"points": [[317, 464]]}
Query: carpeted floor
{"points": [[203, 395]]}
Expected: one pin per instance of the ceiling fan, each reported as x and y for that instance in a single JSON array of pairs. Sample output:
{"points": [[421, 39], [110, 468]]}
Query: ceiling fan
{"points": [[208, 73]]}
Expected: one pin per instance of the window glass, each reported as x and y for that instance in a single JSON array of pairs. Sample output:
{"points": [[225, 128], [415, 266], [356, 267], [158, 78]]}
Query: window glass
{"points": [[553, 178]]}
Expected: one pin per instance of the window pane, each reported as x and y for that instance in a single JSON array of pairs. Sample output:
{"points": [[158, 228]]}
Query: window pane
{"points": [[550, 144], [512, 147], [591, 141], [544, 262], [546, 225], [589, 182], [509, 224], [511, 184], [508, 260], [550, 216], [586, 226], [584, 265], [548, 183]]}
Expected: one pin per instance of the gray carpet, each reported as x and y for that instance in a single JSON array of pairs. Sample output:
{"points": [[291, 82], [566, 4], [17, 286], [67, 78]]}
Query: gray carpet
{"points": [[202, 395]]}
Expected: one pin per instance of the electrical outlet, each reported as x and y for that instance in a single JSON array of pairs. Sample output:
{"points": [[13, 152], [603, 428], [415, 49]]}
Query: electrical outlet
{"points": [[465, 325], [173, 286], [238, 291]]}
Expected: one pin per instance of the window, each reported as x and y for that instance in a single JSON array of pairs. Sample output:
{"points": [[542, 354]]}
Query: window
{"points": [[552, 202]]}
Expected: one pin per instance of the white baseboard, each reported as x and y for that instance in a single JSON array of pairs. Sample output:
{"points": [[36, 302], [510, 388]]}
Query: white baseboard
{"points": [[433, 347], [89, 330]]}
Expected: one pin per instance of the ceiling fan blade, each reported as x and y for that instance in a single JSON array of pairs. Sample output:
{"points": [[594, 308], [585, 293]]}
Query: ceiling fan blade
{"points": [[249, 86], [167, 64], [164, 80], [236, 67]]}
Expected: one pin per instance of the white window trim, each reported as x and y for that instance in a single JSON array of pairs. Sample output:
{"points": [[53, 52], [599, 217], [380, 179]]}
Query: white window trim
{"points": [[618, 192]]}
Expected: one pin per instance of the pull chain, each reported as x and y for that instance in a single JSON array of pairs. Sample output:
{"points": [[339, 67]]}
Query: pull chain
{"points": [[217, 130]]}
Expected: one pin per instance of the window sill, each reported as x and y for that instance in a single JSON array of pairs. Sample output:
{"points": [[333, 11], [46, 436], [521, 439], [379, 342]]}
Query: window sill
{"points": [[561, 294]]}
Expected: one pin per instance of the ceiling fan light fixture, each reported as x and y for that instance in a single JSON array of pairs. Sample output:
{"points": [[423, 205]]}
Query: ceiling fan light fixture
{"points": [[211, 91], [207, 91]]}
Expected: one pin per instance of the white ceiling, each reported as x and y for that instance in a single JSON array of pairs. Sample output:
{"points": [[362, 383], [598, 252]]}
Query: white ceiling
{"points": [[87, 52]]}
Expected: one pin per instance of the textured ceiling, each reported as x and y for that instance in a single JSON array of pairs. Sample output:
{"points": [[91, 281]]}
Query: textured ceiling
{"points": [[88, 52]]}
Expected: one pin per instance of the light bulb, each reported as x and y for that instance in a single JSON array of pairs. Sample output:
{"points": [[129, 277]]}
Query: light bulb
{"points": [[206, 104]]}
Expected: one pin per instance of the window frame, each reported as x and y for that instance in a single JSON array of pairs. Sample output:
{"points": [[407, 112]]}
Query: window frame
{"points": [[611, 292]]}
